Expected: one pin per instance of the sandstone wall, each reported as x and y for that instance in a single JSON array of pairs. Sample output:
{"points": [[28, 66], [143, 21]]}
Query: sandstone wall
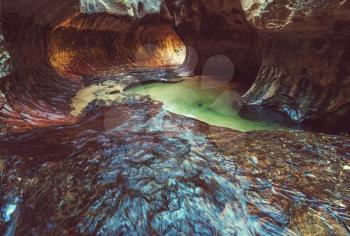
{"points": [[295, 52], [305, 69]]}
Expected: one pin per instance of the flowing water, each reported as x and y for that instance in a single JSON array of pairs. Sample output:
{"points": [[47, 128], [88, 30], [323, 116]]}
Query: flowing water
{"points": [[215, 105]]}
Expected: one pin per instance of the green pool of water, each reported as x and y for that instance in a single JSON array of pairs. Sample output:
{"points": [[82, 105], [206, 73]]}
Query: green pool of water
{"points": [[215, 106]]}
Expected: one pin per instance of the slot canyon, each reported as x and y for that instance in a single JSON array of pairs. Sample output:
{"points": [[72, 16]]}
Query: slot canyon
{"points": [[175, 117]]}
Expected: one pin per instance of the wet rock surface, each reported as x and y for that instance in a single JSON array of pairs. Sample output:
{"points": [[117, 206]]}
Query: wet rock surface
{"points": [[294, 52], [133, 168], [126, 166]]}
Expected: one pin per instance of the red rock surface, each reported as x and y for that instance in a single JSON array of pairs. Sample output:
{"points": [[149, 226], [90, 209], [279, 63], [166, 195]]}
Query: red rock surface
{"points": [[129, 167]]}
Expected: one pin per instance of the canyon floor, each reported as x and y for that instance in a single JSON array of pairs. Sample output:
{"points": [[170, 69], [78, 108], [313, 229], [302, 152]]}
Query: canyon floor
{"points": [[129, 166]]}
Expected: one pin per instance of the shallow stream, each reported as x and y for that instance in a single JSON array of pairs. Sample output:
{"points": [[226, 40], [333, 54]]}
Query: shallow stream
{"points": [[207, 102]]}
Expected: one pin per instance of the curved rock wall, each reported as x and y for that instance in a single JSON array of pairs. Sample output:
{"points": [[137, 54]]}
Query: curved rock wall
{"points": [[5, 66], [35, 92], [41, 38], [305, 59], [84, 43], [296, 52], [76, 51], [158, 46], [95, 42], [134, 168], [212, 28]]}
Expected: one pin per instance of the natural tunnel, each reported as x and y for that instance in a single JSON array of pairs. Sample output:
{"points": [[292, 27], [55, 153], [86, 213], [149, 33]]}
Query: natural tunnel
{"points": [[101, 42], [123, 117], [47, 50], [92, 45], [67, 51], [51, 56]]}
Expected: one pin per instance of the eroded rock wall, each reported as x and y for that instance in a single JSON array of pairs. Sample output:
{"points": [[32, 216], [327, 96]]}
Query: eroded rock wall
{"points": [[296, 52], [45, 36], [5, 65], [211, 28], [305, 59], [35, 92]]}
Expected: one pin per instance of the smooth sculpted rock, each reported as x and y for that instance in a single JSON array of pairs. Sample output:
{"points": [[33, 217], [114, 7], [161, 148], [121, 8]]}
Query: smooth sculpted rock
{"points": [[295, 52], [52, 44], [124, 165], [305, 58], [35, 92], [135, 169], [216, 29]]}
